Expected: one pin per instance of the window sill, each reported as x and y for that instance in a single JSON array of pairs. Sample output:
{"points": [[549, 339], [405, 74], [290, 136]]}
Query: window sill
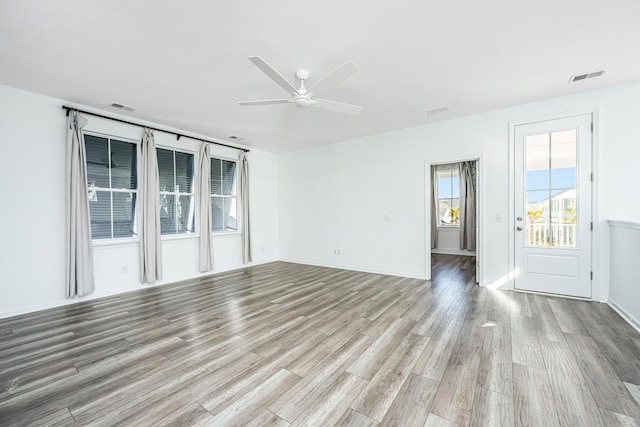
{"points": [[114, 242], [226, 234], [164, 238], [172, 237]]}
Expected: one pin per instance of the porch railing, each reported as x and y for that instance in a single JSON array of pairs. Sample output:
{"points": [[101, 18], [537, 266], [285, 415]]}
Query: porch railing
{"points": [[545, 234]]}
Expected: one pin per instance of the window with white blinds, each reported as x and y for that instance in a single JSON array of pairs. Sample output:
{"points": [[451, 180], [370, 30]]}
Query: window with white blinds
{"points": [[177, 192], [223, 195], [112, 178]]}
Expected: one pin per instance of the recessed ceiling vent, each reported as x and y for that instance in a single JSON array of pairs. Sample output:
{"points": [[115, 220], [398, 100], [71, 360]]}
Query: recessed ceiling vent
{"points": [[438, 110], [579, 77], [123, 107]]}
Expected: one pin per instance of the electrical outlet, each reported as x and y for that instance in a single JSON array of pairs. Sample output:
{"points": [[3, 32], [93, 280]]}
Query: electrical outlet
{"points": [[125, 269], [336, 251], [498, 217], [386, 218]]}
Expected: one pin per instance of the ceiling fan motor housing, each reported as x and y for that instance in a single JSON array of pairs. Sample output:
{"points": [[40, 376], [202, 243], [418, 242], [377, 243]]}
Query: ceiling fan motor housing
{"points": [[303, 101]]}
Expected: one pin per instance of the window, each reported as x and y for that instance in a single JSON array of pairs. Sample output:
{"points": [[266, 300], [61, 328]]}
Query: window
{"points": [[223, 195], [449, 198], [112, 176], [177, 207]]}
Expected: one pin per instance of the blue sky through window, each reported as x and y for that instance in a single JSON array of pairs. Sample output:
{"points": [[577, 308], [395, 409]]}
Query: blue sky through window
{"points": [[561, 180], [448, 188]]}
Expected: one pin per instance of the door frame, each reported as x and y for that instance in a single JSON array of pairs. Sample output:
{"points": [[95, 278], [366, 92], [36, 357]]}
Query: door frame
{"points": [[479, 211], [595, 237]]}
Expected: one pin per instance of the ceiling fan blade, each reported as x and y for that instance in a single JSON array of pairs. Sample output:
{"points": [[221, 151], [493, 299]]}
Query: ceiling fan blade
{"points": [[336, 106], [264, 102], [272, 73], [334, 78]]}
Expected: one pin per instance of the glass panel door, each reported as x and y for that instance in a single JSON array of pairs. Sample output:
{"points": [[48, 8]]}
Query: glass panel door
{"points": [[552, 206]]}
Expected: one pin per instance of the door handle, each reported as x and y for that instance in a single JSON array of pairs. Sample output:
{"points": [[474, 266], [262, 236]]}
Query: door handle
{"points": [[519, 228]]}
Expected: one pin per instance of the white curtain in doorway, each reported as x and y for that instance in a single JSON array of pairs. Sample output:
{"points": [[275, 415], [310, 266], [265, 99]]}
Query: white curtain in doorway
{"points": [[468, 205], [79, 254], [150, 243]]}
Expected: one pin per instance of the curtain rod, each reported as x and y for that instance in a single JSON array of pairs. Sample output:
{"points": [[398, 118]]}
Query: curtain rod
{"points": [[178, 135]]}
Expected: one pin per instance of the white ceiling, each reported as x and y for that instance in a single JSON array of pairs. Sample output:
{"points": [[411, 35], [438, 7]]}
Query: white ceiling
{"points": [[184, 64]]}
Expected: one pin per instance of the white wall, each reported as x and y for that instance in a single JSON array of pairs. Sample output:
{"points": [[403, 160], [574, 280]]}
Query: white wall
{"points": [[335, 196], [32, 245], [449, 242]]}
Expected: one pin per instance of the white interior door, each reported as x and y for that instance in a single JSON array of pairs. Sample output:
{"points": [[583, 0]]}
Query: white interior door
{"points": [[553, 206]]}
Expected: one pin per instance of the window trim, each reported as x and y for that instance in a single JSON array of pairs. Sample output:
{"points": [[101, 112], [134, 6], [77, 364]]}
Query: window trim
{"points": [[238, 230], [115, 240], [440, 225], [196, 222]]}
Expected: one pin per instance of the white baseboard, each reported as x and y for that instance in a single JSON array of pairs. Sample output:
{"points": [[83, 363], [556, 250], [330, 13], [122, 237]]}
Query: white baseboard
{"points": [[452, 252], [39, 307], [624, 314], [93, 297], [363, 270]]}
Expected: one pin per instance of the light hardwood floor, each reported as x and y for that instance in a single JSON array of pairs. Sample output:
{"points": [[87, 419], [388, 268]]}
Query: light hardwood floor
{"points": [[284, 344]]}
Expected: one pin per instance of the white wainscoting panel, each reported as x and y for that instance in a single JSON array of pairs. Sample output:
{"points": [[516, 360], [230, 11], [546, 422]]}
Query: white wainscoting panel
{"points": [[624, 283]]}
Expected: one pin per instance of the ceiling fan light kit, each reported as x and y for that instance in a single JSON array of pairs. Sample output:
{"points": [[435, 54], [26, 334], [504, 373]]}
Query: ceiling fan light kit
{"points": [[303, 101], [303, 97]]}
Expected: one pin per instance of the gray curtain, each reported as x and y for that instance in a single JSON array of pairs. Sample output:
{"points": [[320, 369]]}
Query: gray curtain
{"points": [[149, 185], [79, 254], [468, 206], [204, 195], [243, 187], [434, 208]]}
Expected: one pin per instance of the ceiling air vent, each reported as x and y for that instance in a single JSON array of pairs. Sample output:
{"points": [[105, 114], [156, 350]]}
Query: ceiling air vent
{"points": [[438, 110], [579, 77], [120, 106], [236, 138]]}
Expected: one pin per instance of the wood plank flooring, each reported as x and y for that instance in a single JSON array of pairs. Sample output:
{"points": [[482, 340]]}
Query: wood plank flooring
{"points": [[284, 344]]}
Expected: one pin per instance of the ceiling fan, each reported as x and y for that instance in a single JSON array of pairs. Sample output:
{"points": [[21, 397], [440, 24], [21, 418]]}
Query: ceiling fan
{"points": [[303, 97]]}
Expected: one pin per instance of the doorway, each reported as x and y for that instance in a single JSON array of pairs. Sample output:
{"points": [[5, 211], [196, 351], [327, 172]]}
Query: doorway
{"points": [[453, 202], [552, 206]]}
